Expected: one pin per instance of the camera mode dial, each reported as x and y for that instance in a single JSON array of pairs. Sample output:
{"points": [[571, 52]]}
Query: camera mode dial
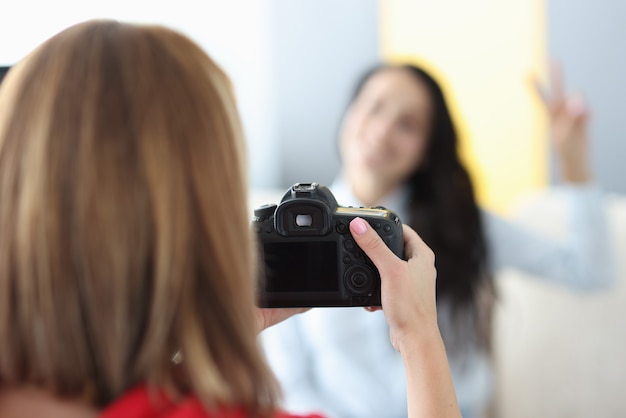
{"points": [[264, 212]]}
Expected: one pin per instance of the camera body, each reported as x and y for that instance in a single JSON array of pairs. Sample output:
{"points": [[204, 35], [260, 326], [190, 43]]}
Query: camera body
{"points": [[308, 255]]}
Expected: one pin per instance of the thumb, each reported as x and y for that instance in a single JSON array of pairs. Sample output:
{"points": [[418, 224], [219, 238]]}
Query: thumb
{"points": [[373, 246]]}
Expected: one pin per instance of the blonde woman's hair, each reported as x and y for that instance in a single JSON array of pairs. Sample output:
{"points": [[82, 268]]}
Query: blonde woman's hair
{"points": [[124, 232]]}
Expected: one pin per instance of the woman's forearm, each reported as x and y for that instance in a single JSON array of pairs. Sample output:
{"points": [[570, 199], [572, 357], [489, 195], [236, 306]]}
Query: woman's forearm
{"points": [[430, 390]]}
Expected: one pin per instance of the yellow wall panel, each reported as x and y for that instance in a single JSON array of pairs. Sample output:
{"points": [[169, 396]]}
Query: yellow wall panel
{"points": [[485, 52]]}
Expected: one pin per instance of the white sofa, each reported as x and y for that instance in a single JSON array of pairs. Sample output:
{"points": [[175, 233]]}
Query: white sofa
{"points": [[560, 353]]}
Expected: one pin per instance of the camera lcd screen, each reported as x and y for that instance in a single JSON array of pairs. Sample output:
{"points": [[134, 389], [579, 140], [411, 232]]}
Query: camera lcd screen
{"points": [[301, 267]]}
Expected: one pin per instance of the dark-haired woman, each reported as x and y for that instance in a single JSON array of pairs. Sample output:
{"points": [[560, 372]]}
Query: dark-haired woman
{"points": [[399, 149]]}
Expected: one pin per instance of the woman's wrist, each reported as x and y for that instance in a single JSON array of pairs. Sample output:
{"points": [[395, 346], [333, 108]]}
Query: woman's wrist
{"points": [[578, 177], [576, 173], [421, 337]]}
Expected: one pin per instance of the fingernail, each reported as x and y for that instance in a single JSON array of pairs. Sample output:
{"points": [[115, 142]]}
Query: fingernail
{"points": [[358, 226], [576, 105]]}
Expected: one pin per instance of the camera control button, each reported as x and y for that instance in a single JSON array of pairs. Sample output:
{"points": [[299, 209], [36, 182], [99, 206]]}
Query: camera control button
{"points": [[376, 225], [346, 259], [349, 245], [387, 228], [268, 229], [341, 227], [360, 280], [358, 254], [265, 211]]}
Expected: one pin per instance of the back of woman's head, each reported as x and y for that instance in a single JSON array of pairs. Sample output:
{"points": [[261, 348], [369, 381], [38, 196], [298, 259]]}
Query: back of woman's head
{"points": [[124, 222]]}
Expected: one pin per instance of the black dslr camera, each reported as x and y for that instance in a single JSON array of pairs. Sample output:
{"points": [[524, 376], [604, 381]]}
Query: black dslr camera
{"points": [[308, 256]]}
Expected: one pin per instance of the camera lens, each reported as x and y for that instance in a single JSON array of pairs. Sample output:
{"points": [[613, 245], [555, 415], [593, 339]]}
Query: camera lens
{"points": [[360, 280]]}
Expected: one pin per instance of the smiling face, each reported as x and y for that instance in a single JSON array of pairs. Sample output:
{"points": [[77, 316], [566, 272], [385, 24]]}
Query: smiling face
{"points": [[385, 133]]}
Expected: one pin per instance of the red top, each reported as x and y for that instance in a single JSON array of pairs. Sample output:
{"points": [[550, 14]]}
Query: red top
{"points": [[139, 403]]}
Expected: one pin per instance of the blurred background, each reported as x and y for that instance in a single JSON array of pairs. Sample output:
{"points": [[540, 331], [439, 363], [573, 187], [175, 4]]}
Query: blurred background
{"points": [[294, 65]]}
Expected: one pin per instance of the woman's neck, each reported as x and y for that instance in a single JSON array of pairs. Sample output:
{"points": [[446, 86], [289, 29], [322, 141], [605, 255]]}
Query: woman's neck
{"points": [[30, 402], [370, 192]]}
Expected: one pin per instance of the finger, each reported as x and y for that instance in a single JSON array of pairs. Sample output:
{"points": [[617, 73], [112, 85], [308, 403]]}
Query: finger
{"points": [[272, 316], [576, 106], [413, 243], [540, 89], [556, 82], [415, 248], [372, 245]]}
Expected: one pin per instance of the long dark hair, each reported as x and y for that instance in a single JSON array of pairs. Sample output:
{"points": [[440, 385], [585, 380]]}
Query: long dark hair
{"points": [[443, 210]]}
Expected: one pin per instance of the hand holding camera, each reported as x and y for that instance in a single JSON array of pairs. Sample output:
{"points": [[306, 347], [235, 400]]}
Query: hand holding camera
{"points": [[308, 247], [310, 257]]}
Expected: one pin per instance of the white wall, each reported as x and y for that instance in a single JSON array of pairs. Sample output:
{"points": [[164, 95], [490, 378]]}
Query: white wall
{"points": [[233, 32], [320, 48], [588, 37], [293, 64]]}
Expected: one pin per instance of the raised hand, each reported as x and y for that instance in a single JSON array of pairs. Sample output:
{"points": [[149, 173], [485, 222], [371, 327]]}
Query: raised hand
{"points": [[569, 116]]}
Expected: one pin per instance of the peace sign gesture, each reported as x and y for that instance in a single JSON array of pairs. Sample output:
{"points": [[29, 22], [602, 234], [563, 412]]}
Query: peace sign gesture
{"points": [[568, 127]]}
